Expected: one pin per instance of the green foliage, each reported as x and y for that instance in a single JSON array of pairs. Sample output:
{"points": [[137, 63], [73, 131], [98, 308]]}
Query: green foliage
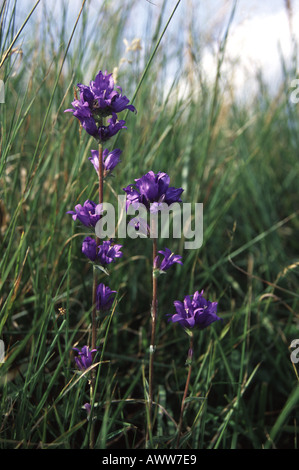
{"points": [[240, 160]]}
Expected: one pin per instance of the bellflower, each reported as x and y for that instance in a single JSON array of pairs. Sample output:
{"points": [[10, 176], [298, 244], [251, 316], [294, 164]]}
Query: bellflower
{"points": [[85, 358], [102, 98], [105, 297], [110, 159], [151, 190], [89, 248], [83, 113], [169, 259], [195, 311], [108, 252], [99, 100], [103, 254], [88, 214], [106, 132]]}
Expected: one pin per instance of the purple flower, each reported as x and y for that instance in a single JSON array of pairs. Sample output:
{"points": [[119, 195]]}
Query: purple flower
{"points": [[169, 259], [83, 113], [87, 407], [88, 214], [151, 190], [85, 357], [105, 297], [89, 248], [107, 252], [106, 132], [102, 97], [195, 311], [110, 159], [104, 253], [99, 100]]}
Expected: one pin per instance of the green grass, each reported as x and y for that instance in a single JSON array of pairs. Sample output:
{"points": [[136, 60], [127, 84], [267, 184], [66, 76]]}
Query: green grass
{"points": [[240, 160]]}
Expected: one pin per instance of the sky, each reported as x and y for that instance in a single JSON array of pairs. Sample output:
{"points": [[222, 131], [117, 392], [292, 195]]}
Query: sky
{"points": [[261, 34], [259, 31]]}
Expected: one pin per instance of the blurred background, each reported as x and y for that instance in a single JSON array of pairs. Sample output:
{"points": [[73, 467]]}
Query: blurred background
{"points": [[260, 34]]}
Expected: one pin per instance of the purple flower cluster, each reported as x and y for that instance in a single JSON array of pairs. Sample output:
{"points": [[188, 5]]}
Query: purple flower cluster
{"points": [[97, 110], [152, 190], [104, 254], [97, 101], [85, 357], [195, 311]]}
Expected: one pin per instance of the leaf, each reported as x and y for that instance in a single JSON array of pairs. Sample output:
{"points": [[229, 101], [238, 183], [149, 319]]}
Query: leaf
{"points": [[101, 268]]}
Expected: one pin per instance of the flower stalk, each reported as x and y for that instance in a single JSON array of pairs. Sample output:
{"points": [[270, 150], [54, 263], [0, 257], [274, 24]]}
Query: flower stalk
{"points": [[154, 309], [94, 290], [153, 191], [93, 105], [189, 363], [94, 303], [194, 312]]}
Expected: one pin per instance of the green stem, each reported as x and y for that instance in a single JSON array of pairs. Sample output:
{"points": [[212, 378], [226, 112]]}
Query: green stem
{"points": [[189, 361]]}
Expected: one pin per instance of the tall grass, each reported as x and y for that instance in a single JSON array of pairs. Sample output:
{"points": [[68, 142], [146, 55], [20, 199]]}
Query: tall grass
{"points": [[240, 160]]}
